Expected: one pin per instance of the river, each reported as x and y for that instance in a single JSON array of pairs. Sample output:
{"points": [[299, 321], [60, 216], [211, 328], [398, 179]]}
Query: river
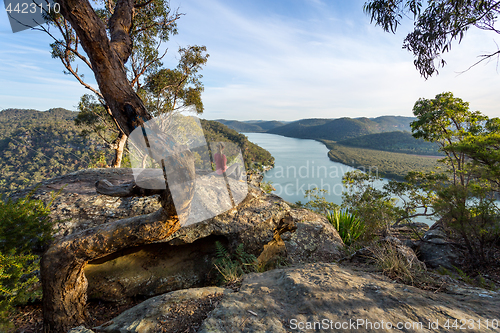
{"points": [[302, 164]]}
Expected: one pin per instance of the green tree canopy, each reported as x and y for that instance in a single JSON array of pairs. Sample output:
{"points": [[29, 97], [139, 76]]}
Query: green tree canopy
{"points": [[161, 89], [437, 24]]}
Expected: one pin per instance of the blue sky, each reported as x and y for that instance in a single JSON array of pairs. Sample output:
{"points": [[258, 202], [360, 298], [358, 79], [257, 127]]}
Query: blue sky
{"points": [[277, 59]]}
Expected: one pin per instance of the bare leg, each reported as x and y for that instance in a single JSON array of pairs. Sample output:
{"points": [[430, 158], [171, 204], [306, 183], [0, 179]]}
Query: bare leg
{"points": [[234, 171]]}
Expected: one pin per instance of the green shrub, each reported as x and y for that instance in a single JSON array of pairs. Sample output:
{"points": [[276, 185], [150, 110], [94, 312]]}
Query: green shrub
{"points": [[232, 266], [25, 229], [349, 226], [25, 225], [317, 202], [17, 282], [267, 186]]}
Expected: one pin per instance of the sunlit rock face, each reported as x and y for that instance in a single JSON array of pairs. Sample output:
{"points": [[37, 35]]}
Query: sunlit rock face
{"points": [[184, 259]]}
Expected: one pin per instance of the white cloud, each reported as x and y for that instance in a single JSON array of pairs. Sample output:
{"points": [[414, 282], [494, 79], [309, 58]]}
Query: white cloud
{"points": [[266, 64], [322, 66]]}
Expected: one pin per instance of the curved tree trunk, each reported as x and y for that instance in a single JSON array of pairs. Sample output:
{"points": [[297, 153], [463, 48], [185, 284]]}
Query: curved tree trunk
{"points": [[62, 265], [63, 280], [108, 56]]}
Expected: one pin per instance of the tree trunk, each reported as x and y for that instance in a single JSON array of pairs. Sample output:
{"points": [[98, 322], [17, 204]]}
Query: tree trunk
{"points": [[108, 57], [62, 265], [120, 146]]}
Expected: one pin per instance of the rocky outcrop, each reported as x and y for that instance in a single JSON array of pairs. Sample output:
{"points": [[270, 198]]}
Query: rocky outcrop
{"points": [[80, 329], [327, 297], [79, 207], [392, 243], [320, 297], [184, 259], [436, 250], [151, 315]]}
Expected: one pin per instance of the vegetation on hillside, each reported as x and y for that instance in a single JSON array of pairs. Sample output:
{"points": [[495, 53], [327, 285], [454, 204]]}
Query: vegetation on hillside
{"points": [[250, 126], [385, 164], [252, 154], [397, 142], [24, 232], [341, 129], [38, 145]]}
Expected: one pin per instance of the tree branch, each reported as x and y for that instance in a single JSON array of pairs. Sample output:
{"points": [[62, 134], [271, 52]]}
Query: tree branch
{"points": [[146, 66], [120, 24], [144, 4], [124, 190]]}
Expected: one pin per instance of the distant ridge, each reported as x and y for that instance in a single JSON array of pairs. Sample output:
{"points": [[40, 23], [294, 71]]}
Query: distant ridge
{"points": [[397, 141], [342, 128], [323, 128], [251, 126]]}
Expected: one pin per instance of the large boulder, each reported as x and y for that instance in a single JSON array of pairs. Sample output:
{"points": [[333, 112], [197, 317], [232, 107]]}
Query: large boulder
{"points": [[79, 207], [183, 260], [436, 250], [314, 240], [154, 314], [327, 297]]}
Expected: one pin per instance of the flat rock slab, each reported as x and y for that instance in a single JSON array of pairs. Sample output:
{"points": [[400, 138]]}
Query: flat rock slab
{"points": [[80, 329], [295, 299], [147, 317], [79, 207]]}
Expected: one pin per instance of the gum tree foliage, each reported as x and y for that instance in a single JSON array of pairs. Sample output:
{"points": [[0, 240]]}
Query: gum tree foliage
{"points": [[437, 24], [381, 206], [484, 151], [465, 196], [153, 23]]}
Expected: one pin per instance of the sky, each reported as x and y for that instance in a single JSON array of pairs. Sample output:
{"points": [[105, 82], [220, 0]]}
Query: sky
{"points": [[274, 60]]}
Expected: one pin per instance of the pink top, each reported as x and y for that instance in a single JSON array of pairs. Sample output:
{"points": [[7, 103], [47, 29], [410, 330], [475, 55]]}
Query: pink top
{"points": [[220, 163]]}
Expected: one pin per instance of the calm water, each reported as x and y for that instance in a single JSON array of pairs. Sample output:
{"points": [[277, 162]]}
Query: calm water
{"points": [[302, 164]]}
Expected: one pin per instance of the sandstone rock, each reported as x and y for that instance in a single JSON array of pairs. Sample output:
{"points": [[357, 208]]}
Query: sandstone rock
{"points": [[278, 300], [315, 239], [80, 329], [436, 251], [78, 207], [184, 259], [147, 316]]}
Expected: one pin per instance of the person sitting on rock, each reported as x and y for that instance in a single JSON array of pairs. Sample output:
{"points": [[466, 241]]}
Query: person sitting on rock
{"points": [[221, 167]]}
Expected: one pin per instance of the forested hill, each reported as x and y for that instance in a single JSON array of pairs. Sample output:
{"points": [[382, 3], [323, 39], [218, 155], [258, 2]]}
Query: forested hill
{"points": [[327, 128], [215, 131], [37, 145], [399, 142], [342, 128], [256, 126]]}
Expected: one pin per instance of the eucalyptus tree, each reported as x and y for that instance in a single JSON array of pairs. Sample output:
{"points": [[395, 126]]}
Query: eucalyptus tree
{"points": [[465, 197], [153, 23], [437, 24], [103, 39]]}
